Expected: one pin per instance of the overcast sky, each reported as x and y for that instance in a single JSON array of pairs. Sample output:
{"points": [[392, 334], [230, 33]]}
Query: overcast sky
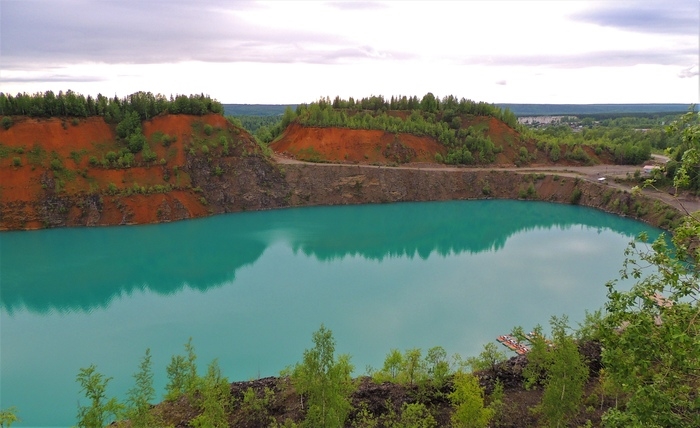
{"points": [[615, 51]]}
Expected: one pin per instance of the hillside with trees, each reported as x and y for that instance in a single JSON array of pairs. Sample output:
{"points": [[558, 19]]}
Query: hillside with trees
{"points": [[467, 133], [71, 160]]}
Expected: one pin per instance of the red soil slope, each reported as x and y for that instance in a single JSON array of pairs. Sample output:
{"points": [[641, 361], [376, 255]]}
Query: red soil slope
{"points": [[27, 175], [373, 146], [353, 145], [378, 147]]}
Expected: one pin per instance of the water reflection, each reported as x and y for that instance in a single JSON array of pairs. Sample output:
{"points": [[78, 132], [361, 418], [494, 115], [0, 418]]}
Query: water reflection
{"points": [[86, 268]]}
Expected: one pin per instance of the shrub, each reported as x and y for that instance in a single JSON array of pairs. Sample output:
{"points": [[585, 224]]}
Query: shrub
{"points": [[94, 385], [126, 160], [208, 129], [16, 161], [148, 154], [111, 157], [531, 192], [182, 374], [129, 126], [140, 396], [576, 196], [136, 141], [214, 394], [486, 189], [56, 164], [167, 140], [8, 417], [7, 122], [468, 402]]}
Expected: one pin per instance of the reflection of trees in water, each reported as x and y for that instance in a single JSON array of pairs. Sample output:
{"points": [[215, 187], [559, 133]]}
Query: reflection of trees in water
{"points": [[80, 269], [404, 230]]}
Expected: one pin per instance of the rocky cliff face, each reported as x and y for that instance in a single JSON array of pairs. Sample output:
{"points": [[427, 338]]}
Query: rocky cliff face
{"points": [[256, 183]]}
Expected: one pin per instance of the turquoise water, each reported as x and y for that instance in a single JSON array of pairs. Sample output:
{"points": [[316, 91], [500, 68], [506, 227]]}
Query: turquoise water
{"points": [[251, 288]]}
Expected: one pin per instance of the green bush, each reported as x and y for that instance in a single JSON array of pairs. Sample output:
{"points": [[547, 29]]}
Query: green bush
{"points": [[16, 161], [56, 164], [136, 141], [111, 157], [130, 125], [208, 129], [468, 402], [576, 196], [7, 122], [101, 411]]}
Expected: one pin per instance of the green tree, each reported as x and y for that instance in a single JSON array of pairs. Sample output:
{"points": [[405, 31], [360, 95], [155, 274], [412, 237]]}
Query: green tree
{"points": [[437, 366], [559, 367], [325, 382], [566, 376], [651, 333], [688, 129], [100, 411], [138, 402], [129, 125], [136, 141], [391, 370], [488, 358], [8, 417], [214, 399], [412, 367], [468, 402], [429, 103], [182, 374]]}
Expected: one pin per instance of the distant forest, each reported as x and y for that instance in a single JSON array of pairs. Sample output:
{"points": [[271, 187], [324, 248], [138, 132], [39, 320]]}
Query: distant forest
{"points": [[614, 110], [145, 104]]}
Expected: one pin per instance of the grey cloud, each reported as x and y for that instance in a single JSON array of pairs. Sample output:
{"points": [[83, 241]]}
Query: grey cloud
{"points": [[73, 31], [689, 72], [590, 59], [502, 82], [52, 78], [651, 16]]}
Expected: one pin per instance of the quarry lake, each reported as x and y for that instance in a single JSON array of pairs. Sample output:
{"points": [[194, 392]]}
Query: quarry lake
{"points": [[251, 288]]}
